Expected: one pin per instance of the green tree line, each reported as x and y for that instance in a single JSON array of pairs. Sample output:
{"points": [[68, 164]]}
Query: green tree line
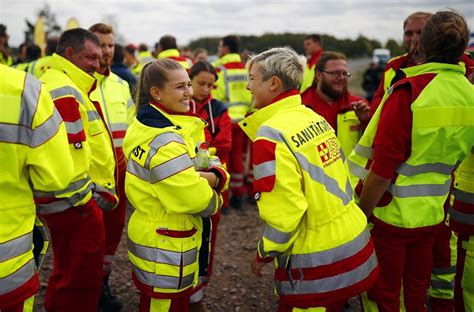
{"points": [[359, 47]]}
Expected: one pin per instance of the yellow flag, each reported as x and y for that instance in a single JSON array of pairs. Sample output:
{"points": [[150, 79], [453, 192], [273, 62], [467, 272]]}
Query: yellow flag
{"points": [[72, 23], [40, 34]]}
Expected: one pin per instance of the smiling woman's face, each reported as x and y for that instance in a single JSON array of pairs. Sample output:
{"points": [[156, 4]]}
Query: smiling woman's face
{"points": [[176, 92]]}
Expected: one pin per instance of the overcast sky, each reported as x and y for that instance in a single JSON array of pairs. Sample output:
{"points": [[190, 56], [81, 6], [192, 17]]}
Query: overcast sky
{"points": [[147, 20]]}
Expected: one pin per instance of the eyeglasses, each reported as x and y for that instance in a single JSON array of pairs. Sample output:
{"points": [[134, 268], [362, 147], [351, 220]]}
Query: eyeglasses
{"points": [[337, 74]]}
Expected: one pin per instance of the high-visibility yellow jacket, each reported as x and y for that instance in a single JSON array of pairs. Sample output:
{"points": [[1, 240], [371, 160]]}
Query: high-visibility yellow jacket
{"points": [[305, 200], [70, 87], [231, 85], [40, 66], [442, 135], [175, 55], [461, 212], [5, 59], [145, 57], [34, 158], [169, 197], [113, 94]]}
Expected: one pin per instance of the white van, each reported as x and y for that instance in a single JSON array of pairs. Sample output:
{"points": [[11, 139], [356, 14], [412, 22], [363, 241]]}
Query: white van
{"points": [[381, 56]]}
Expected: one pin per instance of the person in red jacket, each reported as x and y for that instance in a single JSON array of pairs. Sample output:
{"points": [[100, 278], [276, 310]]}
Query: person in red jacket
{"points": [[219, 135], [330, 98]]}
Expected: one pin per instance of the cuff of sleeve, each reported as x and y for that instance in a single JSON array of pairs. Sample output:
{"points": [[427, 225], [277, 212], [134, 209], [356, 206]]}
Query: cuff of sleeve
{"points": [[221, 174], [264, 260]]}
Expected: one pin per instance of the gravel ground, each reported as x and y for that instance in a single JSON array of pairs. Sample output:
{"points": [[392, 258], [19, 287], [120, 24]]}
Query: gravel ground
{"points": [[232, 288]]}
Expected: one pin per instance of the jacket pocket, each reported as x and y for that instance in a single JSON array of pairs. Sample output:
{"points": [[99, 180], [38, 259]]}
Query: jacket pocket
{"points": [[177, 256]]}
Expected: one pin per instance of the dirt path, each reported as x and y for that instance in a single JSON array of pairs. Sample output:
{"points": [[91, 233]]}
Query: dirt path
{"points": [[232, 288]]}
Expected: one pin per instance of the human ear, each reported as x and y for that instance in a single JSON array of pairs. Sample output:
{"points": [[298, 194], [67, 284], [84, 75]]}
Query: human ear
{"points": [[68, 53], [275, 83], [155, 93]]}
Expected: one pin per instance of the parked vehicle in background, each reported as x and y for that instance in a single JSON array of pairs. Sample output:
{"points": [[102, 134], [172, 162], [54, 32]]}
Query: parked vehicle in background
{"points": [[381, 56]]}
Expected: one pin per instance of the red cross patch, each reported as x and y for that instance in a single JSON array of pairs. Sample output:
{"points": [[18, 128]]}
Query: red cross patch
{"points": [[323, 152]]}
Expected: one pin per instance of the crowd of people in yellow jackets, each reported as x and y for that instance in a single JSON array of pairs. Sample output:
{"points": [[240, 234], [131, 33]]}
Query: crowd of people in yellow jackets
{"points": [[368, 200]]}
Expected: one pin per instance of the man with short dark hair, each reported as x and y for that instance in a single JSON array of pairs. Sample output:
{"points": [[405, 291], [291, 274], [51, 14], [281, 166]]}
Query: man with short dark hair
{"points": [[74, 215], [313, 50], [167, 48], [117, 111], [230, 88], [330, 98]]}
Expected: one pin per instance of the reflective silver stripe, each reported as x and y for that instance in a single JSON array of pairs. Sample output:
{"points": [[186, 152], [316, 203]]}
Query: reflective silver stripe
{"points": [[163, 256], [465, 197], [16, 247], [134, 168], [328, 284], [74, 127], [261, 249], [163, 281], [237, 78], [74, 186], [29, 100], [349, 191], [343, 156], [170, 168], [442, 285], [130, 103], [17, 278], [269, 133], [234, 104], [104, 204], [461, 217], [92, 115], [326, 257], [265, 169], [318, 175], [276, 235], [236, 176], [410, 170], [418, 190], [364, 151], [64, 203], [445, 270], [66, 91], [357, 170], [118, 142], [19, 134], [119, 126], [160, 141], [211, 207], [226, 84]]}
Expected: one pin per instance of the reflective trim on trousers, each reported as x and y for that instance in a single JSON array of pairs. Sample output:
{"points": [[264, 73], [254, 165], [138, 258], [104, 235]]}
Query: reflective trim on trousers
{"points": [[442, 284], [65, 91], [329, 283], [18, 278], [16, 247], [159, 255], [163, 281], [461, 217], [466, 197]]}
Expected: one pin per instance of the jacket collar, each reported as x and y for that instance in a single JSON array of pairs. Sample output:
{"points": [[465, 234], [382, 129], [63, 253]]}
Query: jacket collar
{"points": [[433, 68], [100, 77], [229, 58], [284, 101], [83, 80], [168, 53]]}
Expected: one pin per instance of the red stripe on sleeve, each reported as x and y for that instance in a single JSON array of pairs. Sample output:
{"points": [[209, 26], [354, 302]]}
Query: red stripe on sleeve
{"points": [[68, 108], [263, 151]]}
